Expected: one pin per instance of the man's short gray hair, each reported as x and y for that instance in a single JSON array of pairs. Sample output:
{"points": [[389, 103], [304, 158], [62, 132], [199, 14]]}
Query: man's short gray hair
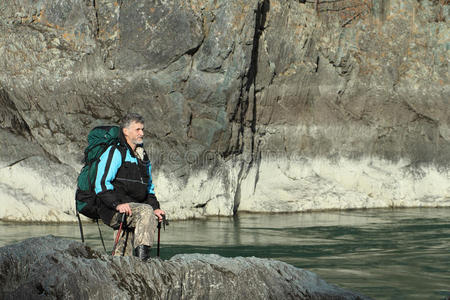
{"points": [[130, 118]]}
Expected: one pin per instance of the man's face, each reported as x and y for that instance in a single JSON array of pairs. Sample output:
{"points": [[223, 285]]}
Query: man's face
{"points": [[134, 134]]}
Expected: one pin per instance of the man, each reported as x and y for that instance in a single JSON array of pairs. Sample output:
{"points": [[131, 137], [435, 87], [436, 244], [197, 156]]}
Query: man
{"points": [[124, 186]]}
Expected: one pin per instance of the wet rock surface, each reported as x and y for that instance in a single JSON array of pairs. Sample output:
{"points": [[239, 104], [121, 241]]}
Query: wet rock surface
{"points": [[53, 268], [235, 94]]}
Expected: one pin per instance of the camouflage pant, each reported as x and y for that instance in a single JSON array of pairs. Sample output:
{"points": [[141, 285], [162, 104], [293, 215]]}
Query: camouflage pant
{"points": [[139, 229]]}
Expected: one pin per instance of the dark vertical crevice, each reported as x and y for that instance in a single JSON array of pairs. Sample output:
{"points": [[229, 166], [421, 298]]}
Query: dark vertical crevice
{"points": [[97, 22], [317, 64], [237, 194], [261, 14], [248, 94]]}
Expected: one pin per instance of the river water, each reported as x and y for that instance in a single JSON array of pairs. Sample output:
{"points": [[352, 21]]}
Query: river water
{"points": [[382, 253]]}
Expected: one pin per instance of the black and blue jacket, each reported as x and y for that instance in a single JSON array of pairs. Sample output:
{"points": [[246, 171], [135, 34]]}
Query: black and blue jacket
{"points": [[123, 178]]}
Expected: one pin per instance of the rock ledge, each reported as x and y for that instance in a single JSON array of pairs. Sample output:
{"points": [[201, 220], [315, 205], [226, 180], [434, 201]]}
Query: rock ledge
{"points": [[50, 267]]}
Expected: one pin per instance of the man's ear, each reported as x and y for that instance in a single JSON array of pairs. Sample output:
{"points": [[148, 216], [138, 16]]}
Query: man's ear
{"points": [[125, 131]]}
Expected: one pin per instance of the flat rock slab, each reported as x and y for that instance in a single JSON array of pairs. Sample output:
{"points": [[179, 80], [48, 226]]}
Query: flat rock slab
{"points": [[50, 267]]}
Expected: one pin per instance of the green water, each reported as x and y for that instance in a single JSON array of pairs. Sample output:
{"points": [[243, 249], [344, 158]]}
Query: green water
{"points": [[384, 254]]}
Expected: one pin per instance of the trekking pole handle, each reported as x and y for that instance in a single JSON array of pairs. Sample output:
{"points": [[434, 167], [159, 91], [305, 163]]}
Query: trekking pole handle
{"points": [[165, 222]]}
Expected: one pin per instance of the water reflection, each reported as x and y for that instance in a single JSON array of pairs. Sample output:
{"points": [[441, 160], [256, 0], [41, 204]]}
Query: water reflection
{"points": [[385, 254]]}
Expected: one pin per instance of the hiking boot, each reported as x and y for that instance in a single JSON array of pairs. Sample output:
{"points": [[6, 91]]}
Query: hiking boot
{"points": [[142, 252]]}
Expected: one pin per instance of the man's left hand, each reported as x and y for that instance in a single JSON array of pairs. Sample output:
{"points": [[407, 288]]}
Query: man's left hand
{"points": [[159, 213]]}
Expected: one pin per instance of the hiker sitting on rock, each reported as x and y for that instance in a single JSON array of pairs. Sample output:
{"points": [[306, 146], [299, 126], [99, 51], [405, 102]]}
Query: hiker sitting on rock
{"points": [[124, 186]]}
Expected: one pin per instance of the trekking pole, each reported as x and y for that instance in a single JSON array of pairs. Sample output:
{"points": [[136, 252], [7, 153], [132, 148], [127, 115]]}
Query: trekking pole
{"points": [[165, 222], [81, 227], [159, 237], [118, 233], [101, 236]]}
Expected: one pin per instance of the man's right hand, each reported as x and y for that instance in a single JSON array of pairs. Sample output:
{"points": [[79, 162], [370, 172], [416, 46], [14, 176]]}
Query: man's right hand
{"points": [[124, 208]]}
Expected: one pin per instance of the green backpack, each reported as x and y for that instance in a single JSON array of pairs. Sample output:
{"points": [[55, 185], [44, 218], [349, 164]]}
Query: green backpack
{"points": [[99, 139]]}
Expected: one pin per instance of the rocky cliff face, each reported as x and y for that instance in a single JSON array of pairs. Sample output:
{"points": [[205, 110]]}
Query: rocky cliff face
{"points": [[51, 268], [250, 105]]}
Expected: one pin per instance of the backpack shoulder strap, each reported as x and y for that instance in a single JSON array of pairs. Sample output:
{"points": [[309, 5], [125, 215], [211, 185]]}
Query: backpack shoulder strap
{"points": [[121, 149]]}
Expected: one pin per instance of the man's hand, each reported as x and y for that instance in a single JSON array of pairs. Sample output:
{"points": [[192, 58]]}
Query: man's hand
{"points": [[159, 213], [124, 208]]}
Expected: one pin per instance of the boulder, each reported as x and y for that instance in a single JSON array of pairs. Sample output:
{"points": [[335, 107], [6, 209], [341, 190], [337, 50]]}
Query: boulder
{"points": [[54, 268]]}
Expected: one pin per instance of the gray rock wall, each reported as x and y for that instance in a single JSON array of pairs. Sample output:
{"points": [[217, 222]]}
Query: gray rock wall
{"points": [[249, 105]]}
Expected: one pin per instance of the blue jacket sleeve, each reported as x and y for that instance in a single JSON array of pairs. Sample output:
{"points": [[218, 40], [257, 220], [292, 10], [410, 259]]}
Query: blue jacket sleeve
{"points": [[109, 164], [151, 186]]}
